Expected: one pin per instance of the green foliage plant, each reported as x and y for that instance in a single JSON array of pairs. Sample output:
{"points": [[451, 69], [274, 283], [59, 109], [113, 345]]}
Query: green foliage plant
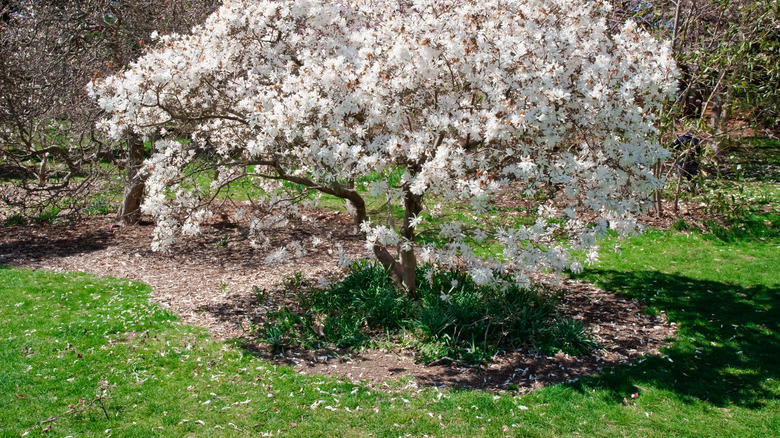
{"points": [[46, 217], [454, 317], [569, 336], [14, 220]]}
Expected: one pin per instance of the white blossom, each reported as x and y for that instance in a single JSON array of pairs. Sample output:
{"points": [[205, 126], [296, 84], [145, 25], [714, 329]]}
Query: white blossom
{"points": [[343, 259], [459, 97], [280, 255]]}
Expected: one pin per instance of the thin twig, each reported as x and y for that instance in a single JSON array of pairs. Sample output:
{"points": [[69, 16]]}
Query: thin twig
{"points": [[76, 409]]}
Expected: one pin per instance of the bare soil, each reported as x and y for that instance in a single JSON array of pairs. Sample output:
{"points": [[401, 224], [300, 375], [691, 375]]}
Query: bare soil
{"points": [[210, 281]]}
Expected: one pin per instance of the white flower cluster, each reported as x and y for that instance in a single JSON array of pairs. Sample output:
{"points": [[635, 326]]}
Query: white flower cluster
{"points": [[463, 95]]}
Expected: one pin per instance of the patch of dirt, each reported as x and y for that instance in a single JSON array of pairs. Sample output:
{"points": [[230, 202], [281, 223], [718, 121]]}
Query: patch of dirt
{"points": [[208, 281], [211, 281]]}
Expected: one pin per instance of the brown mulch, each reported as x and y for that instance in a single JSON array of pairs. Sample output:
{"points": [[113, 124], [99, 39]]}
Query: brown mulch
{"points": [[618, 325], [211, 281]]}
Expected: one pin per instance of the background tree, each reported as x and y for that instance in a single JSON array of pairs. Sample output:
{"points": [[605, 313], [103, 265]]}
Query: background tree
{"points": [[49, 51], [728, 51], [729, 54], [460, 97]]}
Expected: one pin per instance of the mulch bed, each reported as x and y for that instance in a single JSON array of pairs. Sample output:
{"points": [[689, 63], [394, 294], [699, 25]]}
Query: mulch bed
{"points": [[210, 281]]}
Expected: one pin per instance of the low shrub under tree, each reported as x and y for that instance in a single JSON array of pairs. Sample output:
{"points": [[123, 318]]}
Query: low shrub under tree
{"points": [[454, 318]]}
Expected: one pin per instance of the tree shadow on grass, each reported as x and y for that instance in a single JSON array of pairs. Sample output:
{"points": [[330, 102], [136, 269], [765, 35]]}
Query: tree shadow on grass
{"points": [[727, 349]]}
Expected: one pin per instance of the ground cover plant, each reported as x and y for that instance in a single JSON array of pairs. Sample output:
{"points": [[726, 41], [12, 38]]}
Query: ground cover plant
{"points": [[68, 337], [454, 318]]}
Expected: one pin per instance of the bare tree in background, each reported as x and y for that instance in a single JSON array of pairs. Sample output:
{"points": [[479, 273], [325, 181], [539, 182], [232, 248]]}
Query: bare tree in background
{"points": [[50, 153]]}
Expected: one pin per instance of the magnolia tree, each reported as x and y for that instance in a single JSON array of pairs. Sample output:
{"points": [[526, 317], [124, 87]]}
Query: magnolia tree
{"points": [[462, 97]]}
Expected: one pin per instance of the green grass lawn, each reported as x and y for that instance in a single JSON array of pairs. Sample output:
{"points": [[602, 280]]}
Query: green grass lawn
{"points": [[64, 337], [724, 295]]}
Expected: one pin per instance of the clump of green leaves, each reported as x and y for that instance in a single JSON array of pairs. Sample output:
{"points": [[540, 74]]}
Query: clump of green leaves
{"points": [[475, 322], [567, 335], [453, 318], [98, 208], [340, 315], [13, 220], [47, 216], [680, 225]]}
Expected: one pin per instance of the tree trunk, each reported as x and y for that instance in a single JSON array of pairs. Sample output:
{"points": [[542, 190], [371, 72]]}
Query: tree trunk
{"points": [[412, 207], [657, 195], [393, 267], [356, 207], [677, 193], [402, 272], [42, 170], [719, 119], [130, 211]]}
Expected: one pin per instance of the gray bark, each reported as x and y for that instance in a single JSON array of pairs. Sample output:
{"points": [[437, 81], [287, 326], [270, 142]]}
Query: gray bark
{"points": [[135, 182], [412, 207]]}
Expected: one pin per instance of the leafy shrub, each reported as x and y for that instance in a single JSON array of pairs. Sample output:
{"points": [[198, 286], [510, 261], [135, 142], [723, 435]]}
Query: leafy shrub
{"points": [[567, 335], [453, 318], [14, 220], [47, 216]]}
